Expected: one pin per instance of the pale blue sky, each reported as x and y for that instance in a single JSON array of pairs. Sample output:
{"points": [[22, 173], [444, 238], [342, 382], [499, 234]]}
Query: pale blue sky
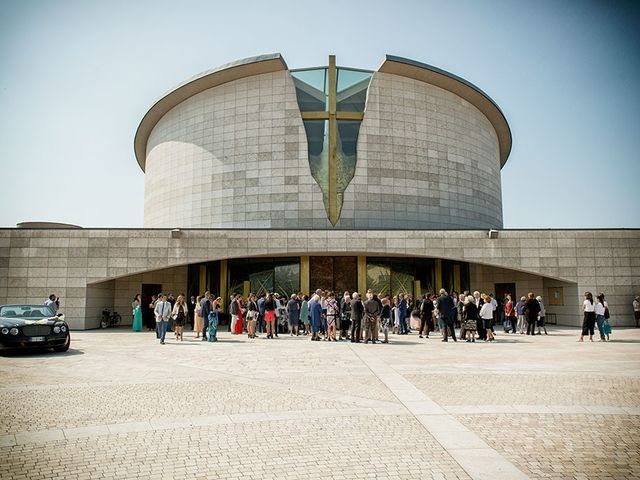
{"points": [[76, 77]]}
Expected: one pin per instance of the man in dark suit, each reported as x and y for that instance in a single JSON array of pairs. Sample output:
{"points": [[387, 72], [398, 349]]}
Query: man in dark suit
{"points": [[357, 311], [402, 307], [205, 310], [447, 312]]}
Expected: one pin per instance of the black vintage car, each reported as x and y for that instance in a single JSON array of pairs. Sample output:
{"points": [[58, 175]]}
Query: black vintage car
{"points": [[33, 326]]}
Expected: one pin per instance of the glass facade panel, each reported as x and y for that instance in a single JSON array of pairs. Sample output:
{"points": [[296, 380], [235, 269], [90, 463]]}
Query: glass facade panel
{"points": [[338, 274], [426, 272], [281, 275], [455, 276], [287, 279], [318, 142], [346, 153], [261, 282], [378, 278], [311, 89], [345, 274], [402, 276], [352, 90]]}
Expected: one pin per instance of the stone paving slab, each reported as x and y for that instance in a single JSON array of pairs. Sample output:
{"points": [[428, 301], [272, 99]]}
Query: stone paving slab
{"points": [[319, 449], [118, 405], [564, 445]]}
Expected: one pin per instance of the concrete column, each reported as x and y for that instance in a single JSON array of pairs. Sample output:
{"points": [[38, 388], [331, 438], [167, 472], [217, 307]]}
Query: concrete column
{"points": [[362, 275], [438, 274], [203, 283], [223, 285], [304, 274]]}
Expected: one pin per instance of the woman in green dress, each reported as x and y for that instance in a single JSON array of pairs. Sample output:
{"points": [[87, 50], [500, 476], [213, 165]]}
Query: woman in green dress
{"points": [[137, 314]]}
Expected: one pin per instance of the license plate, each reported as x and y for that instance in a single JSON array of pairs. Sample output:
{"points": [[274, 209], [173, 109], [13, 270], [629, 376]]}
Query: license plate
{"points": [[36, 339]]}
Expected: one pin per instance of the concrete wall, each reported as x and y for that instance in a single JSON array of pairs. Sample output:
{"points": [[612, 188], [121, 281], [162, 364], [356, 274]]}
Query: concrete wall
{"points": [[233, 156], [484, 277], [35, 263], [99, 296], [566, 313], [426, 159], [173, 280]]}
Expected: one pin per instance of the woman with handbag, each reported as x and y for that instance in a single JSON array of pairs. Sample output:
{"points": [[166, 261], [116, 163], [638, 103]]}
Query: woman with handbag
{"points": [[600, 309], [252, 315], [270, 315], [198, 324], [470, 318], [589, 320], [179, 315]]}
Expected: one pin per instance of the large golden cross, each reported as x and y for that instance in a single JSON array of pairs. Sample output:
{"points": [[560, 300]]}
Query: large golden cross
{"points": [[333, 116]]}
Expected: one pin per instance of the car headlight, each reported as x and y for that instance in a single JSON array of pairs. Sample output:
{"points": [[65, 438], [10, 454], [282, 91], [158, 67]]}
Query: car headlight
{"points": [[13, 331], [5, 331], [63, 328], [56, 329]]}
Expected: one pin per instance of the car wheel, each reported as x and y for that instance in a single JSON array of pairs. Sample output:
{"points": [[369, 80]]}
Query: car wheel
{"points": [[104, 324], [64, 347]]}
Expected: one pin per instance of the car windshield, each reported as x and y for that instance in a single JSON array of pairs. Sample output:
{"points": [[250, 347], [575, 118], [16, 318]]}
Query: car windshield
{"points": [[26, 311]]}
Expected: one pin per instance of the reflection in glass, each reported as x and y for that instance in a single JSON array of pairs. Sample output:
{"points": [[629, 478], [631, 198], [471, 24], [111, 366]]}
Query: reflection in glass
{"points": [[287, 279], [261, 282], [345, 156], [318, 142], [311, 89], [352, 90], [379, 278], [401, 282], [280, 275]]}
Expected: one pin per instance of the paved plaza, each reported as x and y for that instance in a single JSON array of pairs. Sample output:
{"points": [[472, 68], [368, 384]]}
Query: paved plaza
{"points": [[119, 405]]}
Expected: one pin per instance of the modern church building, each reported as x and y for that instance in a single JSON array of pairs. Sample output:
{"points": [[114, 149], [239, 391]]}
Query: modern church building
{"points": [[258, 177]]}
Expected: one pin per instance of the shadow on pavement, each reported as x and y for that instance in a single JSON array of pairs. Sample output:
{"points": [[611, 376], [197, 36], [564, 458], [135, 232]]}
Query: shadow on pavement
{"points": [[44, 352]]}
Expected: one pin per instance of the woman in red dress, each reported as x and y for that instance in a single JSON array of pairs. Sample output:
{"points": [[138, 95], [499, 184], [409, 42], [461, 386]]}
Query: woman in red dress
{"points": [[240, 321]]}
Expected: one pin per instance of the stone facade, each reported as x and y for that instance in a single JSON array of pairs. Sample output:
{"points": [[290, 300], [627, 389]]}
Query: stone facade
{"points": [[236, 156], [426, 159], [233, 156], [89, 267]]}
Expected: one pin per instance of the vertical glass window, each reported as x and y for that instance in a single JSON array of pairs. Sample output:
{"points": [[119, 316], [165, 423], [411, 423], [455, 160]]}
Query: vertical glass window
{"points": [[352, 90], [332, 167], [346, 150], [287, 279], [311, 89], [318, 142], [378, 278]]}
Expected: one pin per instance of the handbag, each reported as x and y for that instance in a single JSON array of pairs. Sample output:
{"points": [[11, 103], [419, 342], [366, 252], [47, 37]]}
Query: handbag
{"points": [[606, 328], [606, 313]]}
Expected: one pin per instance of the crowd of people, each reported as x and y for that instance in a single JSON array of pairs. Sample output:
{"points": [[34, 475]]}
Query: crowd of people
{"points": [[327, 316]]}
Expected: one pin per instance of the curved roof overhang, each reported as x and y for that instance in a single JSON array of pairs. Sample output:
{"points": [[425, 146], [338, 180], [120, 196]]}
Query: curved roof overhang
{"points": [[201, 82], [454, 84], [274, 62]]}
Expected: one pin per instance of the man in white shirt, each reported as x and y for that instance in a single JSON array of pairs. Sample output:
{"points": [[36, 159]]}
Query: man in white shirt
{"points": [[51, 302], [162, 312]]}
